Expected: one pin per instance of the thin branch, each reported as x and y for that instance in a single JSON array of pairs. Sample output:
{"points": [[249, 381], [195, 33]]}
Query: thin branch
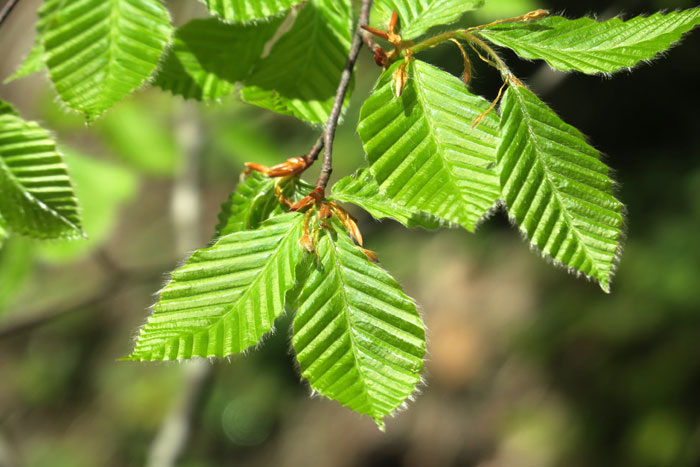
{"points": [[340, 96], [315, 150], [6, 10]]}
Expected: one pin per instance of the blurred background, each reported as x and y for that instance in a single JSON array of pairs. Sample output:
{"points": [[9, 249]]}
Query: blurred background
{"points": [[527, 365]]}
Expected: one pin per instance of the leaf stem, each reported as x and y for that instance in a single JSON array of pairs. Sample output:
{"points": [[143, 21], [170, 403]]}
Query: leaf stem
{"points": [[329, 133], [6, 10]]}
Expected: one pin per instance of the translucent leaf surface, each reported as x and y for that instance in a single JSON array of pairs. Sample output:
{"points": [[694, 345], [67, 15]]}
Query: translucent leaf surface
{"points": [[362, 190], [32, 63], [423, 150], [99, 51], [358, 337], [417, 16], [590, 46], [248, 10], [36, 195], [300, 75], [226, 297], [556, 187], [252, 203], [208, 57]]}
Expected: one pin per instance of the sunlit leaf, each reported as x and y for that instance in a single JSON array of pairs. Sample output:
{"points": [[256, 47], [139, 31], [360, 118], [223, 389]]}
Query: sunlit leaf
{"points": [[556, 187], [590, 46], [362, 190], [36, 195], [357, 336], [208, 57], [417, 16], [248, 10], [300, 75], [423, 150], [226, 297], [98, 52]]}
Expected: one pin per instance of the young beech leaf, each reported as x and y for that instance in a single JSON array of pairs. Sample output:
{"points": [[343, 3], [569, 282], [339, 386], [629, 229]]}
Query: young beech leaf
{"points": [[226, 297], [556, 188], [34, 61], [362, 190], [98, 52], [300, 75], [591, 47], [208, 57], [36, 195], [417, 16], [423, 150], [253, 202], [357, 336], [248, 10]]}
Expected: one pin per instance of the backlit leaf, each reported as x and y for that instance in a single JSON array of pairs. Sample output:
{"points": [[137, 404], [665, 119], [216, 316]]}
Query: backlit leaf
{"points": [[556, 187], [226, 297], [362, 190], [590, 46], [300, 75], [36, 195], [248, 10], [357, 336], [99, 51], [208, 57], [417, 16], [423, 150]]}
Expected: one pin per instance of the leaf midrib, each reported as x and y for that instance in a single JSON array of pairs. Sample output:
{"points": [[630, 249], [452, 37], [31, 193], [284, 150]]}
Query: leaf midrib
{"points": [[540, 160], [439, 143], [343, 290], [240, 298]]}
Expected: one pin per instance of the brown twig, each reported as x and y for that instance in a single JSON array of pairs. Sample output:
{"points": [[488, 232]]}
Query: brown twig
{"points": [[6, 10], [343, 86], [315, 150]]}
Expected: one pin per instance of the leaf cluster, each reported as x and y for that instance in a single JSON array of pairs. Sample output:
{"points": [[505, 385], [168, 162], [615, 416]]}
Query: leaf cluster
{"points": [[438, 156]]}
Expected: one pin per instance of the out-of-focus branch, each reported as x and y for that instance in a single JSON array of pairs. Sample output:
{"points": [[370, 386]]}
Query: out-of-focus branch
{"points": [[6, 10], [117, 279], [176, 428]]}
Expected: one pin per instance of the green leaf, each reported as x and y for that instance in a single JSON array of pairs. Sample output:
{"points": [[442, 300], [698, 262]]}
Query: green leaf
{"points": [[7, 109], [362, 190], [300, 75], [423, 150], [226, 297], [357, 336], [99, 51], [556, 188], [248, 10], [417, 16], [36, 195], [591, 47], [33, 63], [208, 57], [253, 202]]}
